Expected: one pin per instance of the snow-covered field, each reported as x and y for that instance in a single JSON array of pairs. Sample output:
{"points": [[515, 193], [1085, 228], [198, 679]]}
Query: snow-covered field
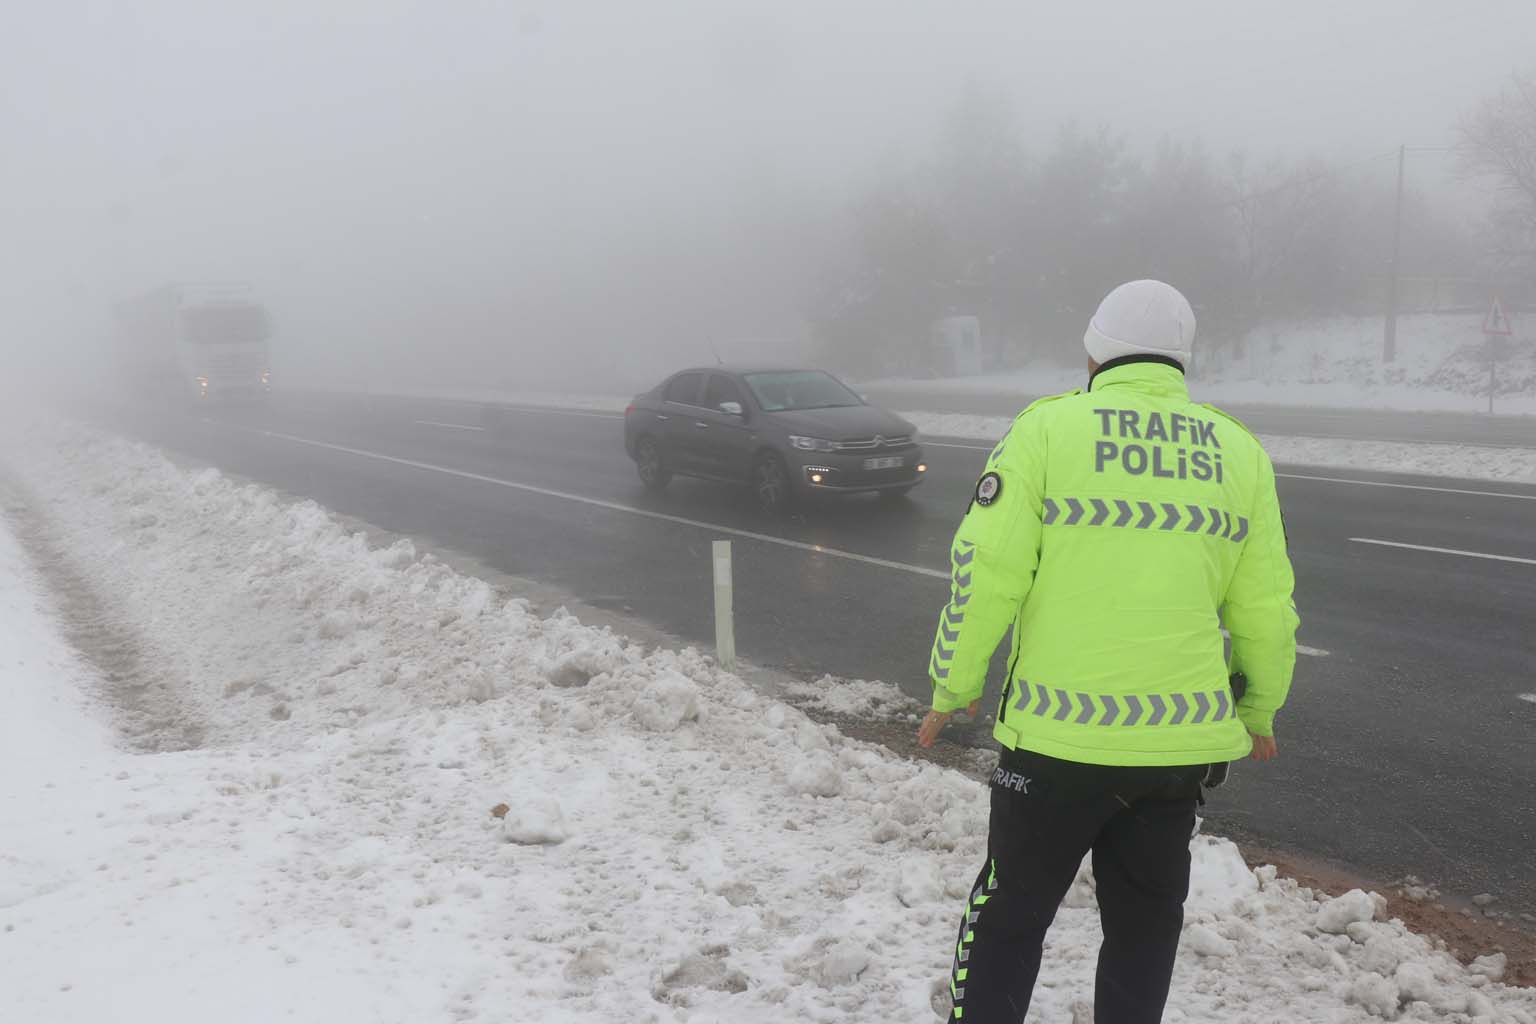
{"points": [[1333, 362], [1465, 461], [260, 784]]}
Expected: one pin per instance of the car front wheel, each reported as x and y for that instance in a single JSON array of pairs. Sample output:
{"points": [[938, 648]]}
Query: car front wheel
{"points": [[652, 468], [770, 485]]}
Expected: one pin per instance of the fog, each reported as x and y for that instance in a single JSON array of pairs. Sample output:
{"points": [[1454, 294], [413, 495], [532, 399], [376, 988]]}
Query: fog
{"points": [[581, 194]]}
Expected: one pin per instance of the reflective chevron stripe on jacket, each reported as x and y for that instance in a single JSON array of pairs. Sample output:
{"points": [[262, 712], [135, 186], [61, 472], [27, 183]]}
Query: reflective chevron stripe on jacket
{"points": [[1145, 515], [954, 613]]}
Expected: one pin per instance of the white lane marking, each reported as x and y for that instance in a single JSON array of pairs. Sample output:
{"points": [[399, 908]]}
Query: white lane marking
{"points": [[1311, 652], [447, 426], [1399, 440], [613, 506], [1444, 551], [1407, 487], [1529, 698], [944, 444], [542, 409]]}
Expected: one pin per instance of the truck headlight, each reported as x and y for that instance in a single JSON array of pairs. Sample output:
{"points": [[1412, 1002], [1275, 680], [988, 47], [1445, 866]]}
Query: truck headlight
{"points": [[812, 444]]}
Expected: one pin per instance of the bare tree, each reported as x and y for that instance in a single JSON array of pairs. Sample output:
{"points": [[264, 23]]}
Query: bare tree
{"points": [[1029, 234], [1289, 224], [876, 313], [1176, 225], [1499, 142]]}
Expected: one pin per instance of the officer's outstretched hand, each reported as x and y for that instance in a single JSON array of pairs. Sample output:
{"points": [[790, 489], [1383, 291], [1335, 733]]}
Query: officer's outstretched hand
{"points": [[935, 721], [1264, 748]]}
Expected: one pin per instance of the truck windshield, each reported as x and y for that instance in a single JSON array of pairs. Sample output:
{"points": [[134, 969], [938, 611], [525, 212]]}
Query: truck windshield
{"points": [[793, 390], [224, 324]]}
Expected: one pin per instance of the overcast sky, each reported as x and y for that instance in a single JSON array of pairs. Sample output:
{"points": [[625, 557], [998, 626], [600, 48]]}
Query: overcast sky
{"points": [[389, 171]]}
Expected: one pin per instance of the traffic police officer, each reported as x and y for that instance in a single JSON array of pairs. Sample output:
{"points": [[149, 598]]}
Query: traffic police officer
{"points": [[1116, 530]]}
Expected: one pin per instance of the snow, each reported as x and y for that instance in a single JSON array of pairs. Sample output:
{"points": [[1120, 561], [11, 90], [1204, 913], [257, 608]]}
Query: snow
{"points": [[1491, 966], [1461, 461], [410, 799], [535, 820], [869, 699], [1204, 940], [1332, 362], [1335, 916], [1377, 995]]}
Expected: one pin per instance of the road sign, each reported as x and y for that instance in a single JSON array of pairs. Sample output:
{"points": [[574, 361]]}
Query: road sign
{"points": [[1496, 323]]}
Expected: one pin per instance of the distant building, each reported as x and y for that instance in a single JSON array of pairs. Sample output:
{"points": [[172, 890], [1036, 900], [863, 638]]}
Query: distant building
{"points": [[956, 342]]}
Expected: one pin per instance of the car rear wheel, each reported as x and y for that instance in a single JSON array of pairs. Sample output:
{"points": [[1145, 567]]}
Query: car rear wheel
{"points": [[653, 470], [770, 485]]}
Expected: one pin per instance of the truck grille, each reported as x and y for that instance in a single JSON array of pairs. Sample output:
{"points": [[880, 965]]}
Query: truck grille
{"points": [[235, 364]]}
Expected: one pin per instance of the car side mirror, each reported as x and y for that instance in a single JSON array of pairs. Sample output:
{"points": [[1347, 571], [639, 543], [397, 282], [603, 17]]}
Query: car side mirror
{"points": [[732, 409]]}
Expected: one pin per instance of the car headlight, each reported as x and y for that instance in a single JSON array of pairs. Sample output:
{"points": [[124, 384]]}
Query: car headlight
{"points": [[812, 444]]}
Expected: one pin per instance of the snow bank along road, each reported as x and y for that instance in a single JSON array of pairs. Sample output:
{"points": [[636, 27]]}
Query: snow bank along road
{"points": [[404, 798], [1407, 748], [1499, 463], [1288, 420]]}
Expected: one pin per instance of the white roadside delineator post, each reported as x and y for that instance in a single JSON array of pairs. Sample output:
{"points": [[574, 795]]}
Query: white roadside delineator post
{"points": [[725, 625], [1495, 329]]}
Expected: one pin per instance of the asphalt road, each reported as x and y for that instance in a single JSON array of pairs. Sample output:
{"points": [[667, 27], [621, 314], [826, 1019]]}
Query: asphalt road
{"points": [[1406, 748]]}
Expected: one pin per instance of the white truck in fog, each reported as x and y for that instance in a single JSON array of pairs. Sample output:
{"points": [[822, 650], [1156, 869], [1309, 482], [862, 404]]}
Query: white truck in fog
{"points": [[203, 342]]}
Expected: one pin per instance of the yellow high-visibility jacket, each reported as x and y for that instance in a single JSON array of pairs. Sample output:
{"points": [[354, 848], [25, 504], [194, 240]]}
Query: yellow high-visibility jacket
{"points": [[1117, 530]]}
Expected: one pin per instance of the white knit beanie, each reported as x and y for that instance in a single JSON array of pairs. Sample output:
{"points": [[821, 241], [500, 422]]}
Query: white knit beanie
{"points": [[1142, 318]]}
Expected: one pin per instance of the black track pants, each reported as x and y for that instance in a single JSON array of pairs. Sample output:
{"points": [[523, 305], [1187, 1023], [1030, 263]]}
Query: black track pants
{"points": [[1046, 816]]}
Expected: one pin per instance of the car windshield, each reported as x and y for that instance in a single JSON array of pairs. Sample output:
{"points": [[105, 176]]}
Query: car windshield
{"points": [[793, 390]]}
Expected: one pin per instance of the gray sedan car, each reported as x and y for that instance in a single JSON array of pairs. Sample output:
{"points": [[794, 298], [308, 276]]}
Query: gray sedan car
{"points": [[785, 433]]}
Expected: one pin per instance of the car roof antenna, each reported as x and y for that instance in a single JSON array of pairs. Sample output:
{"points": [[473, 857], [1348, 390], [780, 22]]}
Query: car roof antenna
{"points": [[716, 353]]}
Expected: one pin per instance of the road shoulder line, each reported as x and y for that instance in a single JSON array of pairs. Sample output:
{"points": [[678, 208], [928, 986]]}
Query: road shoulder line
{"points": [[1444, 551]]}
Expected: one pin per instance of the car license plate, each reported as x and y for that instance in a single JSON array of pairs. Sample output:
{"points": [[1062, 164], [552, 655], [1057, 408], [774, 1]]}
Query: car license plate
{"points": [[895, 462]]}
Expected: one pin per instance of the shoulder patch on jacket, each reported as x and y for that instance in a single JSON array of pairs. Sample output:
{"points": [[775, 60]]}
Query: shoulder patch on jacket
{"points": [[988, 489]]}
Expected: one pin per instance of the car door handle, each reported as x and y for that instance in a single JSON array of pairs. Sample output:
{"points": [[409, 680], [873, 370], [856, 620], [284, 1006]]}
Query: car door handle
{"points": [[662, 416], [700, 425]]}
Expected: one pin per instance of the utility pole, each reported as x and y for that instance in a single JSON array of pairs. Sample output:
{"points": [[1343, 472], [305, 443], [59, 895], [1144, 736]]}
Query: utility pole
{"points": [[1389, 341]]}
